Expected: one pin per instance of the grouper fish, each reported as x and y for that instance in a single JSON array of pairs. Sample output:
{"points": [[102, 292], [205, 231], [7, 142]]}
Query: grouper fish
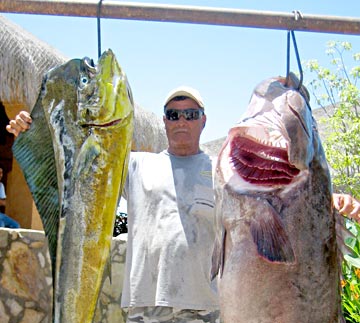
{"points": [[75, 161], [275, 255]]}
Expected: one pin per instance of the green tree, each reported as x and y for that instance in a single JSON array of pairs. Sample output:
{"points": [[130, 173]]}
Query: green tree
{"points": [[335, 91]]}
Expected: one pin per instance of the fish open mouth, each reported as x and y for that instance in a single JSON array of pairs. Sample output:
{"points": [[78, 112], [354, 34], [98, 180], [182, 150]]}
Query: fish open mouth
{"points": [[259, 163], [103, 125]]}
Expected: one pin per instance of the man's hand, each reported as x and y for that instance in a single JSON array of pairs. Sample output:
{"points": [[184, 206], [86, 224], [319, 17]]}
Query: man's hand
{"points": [[21, 123], [347, 205]]}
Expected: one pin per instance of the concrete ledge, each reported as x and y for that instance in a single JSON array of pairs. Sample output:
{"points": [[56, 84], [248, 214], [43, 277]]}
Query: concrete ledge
{"points": [[26, 282]]}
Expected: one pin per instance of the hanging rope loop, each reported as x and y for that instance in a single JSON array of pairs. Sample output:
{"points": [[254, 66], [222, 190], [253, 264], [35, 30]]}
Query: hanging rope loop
{"points": [[98, 27], [291, 32], [297, 16], [302, 89]]}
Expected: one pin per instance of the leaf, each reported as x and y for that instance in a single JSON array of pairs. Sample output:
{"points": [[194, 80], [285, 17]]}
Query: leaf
{"points": [[353, 261]]}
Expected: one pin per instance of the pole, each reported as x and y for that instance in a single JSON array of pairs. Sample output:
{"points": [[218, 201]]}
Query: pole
{"points": [[186, 14]]}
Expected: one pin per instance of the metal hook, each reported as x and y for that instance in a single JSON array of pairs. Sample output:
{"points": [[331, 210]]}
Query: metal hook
{"points": [[297, 14], [98, 27]]}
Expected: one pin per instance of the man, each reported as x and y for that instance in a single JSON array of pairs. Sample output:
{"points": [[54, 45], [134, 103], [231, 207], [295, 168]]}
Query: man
{"points": [[170, 224], [5, 221]]}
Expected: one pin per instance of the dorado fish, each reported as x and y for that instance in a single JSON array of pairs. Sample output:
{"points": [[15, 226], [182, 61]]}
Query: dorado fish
{"points": [[74, 158], [275, 254]]}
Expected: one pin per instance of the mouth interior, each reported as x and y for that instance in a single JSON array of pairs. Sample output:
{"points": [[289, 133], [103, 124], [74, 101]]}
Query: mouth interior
{"points": [[259, 163], [103, 125]]}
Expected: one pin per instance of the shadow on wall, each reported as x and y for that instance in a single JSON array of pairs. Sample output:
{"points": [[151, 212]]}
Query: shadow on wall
{"points": [[6, 141]]}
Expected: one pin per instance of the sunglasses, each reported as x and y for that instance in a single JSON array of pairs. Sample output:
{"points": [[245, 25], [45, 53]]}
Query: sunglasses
{"points": [[188, 114]]}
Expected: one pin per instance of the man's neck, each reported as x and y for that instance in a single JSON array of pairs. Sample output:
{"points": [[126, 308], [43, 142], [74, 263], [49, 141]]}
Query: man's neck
{"points": [[183, 151]]}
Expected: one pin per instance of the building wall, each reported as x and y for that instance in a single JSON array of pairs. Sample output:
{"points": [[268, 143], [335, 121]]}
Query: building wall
{"points": [[26, 281]]}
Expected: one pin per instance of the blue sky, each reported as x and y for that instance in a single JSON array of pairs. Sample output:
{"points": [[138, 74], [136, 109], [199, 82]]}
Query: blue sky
{"points": [[223, 63]]}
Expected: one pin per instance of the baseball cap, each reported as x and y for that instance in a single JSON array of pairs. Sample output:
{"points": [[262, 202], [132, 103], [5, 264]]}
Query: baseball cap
{"points": [[185, 91]]}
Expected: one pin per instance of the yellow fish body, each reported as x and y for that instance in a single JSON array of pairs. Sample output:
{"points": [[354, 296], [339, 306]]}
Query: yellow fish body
{"points": [[85, 113]]}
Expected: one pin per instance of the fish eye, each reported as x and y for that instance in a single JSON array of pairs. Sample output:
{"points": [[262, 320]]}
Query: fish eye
{"points": [[83, 81]]}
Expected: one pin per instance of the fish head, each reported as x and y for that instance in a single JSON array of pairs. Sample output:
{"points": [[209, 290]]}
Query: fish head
{"points": [[104, 93], [273, 144]]}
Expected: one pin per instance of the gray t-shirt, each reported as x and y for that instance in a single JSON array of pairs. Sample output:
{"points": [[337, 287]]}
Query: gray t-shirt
{"points": [[170, 203]]}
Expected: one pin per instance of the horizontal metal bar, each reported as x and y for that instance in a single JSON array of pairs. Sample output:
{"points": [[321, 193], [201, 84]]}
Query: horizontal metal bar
{"points": [[186, 14]]}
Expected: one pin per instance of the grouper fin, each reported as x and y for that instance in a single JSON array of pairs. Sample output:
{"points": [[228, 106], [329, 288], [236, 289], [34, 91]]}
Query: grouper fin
{"points": [[217, 259], [269, 235], [34, 152], [343, 234]]}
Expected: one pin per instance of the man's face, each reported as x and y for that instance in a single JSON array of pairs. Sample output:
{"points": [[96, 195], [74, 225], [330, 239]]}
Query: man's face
{"points": [[184, 135], [1, 173]]}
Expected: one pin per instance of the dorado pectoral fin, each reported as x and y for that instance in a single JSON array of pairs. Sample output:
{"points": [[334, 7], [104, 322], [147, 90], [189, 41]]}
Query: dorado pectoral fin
{"points": [[270, 237], [89, 150], [342, 234], [107, 270]]}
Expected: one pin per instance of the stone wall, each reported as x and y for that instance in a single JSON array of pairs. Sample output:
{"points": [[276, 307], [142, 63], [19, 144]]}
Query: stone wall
{"points": [[26, 282]]}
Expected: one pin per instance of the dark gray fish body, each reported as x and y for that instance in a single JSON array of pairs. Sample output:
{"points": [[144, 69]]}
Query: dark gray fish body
{"points": [[75, 160], [275, 253]]}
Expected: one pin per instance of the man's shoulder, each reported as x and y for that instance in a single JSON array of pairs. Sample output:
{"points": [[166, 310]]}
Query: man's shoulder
{"points": [[137, 156], [145, 154], [210, 158]]}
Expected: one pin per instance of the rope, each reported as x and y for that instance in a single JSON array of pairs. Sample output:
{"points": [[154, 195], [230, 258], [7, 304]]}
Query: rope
{"points": [[98, 27], [297, 15]]}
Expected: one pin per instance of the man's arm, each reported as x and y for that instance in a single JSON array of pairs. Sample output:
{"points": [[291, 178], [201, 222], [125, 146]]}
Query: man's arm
{"points": [[21, 123]]}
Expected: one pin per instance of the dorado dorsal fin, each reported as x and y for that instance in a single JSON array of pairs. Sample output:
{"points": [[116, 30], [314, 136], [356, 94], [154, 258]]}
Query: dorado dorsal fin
{"points": [[34, 152]]}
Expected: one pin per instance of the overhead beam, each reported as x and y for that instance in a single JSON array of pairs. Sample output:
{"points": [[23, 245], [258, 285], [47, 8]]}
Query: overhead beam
{"points": [[185, 14]]}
